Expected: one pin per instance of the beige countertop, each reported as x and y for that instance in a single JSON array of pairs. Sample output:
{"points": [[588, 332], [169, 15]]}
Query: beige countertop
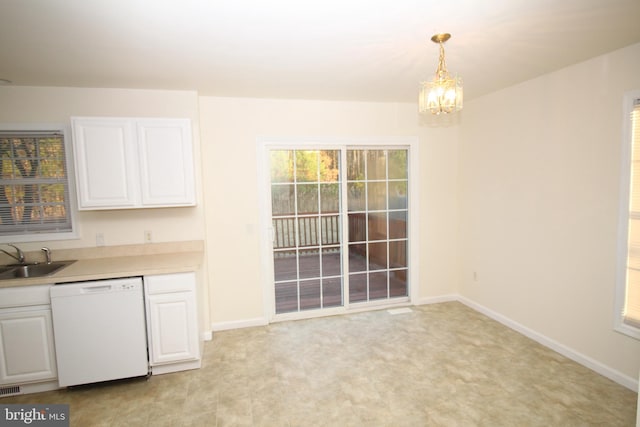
{"points": [[122, 261]]}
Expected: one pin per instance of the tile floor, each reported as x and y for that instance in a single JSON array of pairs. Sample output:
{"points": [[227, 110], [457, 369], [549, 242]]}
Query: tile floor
{"points": [[440, 365]]}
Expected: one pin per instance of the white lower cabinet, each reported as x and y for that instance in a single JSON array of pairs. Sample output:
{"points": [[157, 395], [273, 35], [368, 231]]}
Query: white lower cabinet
{"points": [[172, 322], [26, 346], [27, 352]]}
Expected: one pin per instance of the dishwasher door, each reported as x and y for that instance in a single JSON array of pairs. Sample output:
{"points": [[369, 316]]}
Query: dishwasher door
{"points": [[100, 331]]}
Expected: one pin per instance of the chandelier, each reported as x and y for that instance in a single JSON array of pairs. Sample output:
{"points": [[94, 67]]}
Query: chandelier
{"points": [[443, 94]]}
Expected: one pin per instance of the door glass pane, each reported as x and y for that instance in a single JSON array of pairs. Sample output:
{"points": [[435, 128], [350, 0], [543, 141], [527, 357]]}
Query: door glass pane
{"points": [[306, 166], [331, 262], [329, 166], [378, 226], [398, 253], [330, 198], [283, 199], [357, 196], [398, 283], [376, 196], [398, 195], [284, 263], [305, 199], [397, 164], [309, 264], [357, 227], [398, 225], [281, 166], [358, 287], [377, 256], [330, 229], [376, 165], [307, 231], [332, 292], [378, 285], [284, 233], [286, 297], [310, 294], [357, 257], [355, 165]]}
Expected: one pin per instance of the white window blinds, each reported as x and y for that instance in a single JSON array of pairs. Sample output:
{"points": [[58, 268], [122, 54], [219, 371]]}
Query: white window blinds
{"points": [[631, 310], [34, 187]]}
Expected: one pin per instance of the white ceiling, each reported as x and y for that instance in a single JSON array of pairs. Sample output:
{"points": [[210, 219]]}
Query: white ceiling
{"points": [[367, 50]]}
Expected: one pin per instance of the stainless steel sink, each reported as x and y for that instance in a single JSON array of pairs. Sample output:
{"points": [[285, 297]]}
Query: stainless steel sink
{"points": [[32, 270], [5, 268]]}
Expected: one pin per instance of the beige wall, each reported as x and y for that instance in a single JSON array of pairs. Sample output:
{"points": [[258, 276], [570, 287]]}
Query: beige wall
{"points": [[57, 105], [539, 191], [230, 130]]}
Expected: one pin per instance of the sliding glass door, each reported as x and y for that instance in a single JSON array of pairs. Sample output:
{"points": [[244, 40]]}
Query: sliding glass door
{"points": [[305, 216], [339, 226], [377, 216]]}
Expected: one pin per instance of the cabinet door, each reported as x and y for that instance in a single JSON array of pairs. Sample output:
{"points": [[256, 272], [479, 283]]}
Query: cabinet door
{"points": [[27, 353], [173, 327], [166, 162], [106, 163]]}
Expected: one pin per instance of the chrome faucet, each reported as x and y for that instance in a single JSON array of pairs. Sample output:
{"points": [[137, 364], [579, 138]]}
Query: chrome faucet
{"points": [[47, 254], [19, 254]]}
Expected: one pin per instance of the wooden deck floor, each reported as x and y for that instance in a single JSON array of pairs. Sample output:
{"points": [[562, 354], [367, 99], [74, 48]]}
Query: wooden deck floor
{"points": [[315, 292]]}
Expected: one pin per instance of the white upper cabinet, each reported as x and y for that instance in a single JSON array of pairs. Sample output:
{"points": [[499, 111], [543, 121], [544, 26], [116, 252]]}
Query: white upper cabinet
{"points": [[166, 162], [124, 163]]}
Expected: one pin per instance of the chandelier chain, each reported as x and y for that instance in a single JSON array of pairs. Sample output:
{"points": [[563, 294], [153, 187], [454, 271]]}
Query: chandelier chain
{"points": [[441, 71]]}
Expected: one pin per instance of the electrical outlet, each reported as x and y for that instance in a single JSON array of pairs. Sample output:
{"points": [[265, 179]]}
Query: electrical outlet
{"points": [[475, 276], [148, 238], [99, 239]]}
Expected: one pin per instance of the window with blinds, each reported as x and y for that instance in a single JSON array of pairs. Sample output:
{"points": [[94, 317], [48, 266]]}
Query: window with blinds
{"points": [[631, 306], [34, 184]]}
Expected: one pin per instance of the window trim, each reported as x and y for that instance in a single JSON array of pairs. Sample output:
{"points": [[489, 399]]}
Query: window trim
{"points": [[629, 99], [65, 129]]}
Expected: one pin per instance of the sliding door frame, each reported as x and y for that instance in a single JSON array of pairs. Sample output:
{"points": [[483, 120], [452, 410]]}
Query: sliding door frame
{"points": [[264, 146]]}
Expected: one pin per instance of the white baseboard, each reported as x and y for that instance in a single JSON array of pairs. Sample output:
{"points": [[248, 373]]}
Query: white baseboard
{"points": [[30, 388], [438, 299], [594, 365], [238, 324]]}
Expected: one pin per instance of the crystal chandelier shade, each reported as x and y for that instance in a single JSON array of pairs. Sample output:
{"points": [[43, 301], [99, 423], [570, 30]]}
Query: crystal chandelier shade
{"points": [[443, 94]]}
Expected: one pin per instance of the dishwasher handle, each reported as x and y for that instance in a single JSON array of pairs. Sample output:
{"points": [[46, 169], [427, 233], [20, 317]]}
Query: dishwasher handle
{"points": [[96, 289]]}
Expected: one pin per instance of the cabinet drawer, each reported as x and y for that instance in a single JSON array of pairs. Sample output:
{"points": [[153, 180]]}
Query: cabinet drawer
{"points": [[168, 283], [23, 296]]}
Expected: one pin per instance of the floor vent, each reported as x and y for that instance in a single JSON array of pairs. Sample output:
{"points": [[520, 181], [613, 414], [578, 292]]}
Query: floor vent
{"points": [[403, 310], [6, 391]]}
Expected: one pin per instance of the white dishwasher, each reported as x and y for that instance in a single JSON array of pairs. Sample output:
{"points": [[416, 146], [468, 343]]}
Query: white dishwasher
{"points": [[100, 331]]}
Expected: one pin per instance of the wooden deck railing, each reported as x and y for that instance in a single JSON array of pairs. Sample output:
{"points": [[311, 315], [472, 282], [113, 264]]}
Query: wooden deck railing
{"points": [[314, 230]]}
